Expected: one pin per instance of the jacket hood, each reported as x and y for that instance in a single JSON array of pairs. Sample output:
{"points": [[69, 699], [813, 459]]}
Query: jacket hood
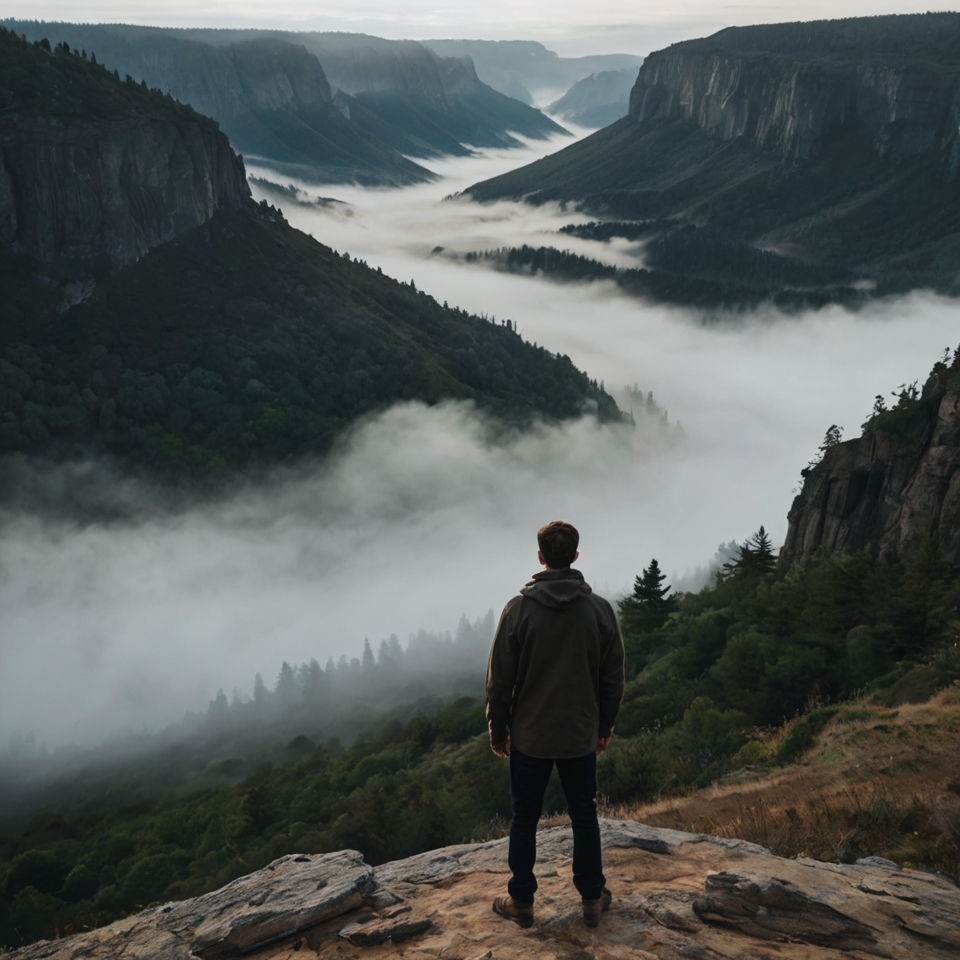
{"points": [[557, 588]]}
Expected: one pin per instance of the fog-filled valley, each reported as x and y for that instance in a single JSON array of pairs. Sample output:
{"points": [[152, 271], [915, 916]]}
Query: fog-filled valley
{"points": [[303, 335], [423, 514]]}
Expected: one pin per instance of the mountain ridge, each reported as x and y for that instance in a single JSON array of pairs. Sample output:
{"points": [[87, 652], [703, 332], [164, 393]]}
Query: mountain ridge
{"points": [[848, 162]]}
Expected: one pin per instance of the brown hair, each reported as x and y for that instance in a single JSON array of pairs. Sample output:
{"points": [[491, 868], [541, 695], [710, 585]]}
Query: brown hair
{"points": [[558, 542]]}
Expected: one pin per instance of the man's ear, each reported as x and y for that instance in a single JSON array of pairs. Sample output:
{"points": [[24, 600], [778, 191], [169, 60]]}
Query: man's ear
{"points": [[577, 554], [543, 562]]}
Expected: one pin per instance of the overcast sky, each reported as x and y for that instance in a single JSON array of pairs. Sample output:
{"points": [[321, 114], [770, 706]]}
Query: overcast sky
{"points": [[571, 27]]}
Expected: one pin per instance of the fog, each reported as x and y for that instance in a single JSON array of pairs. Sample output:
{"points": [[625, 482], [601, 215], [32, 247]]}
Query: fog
{"points": [[422, 513]]}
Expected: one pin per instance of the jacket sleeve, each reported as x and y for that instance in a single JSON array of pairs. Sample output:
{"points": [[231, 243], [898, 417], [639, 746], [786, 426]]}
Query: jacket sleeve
{"points": [[502, 676], [611, 678]]}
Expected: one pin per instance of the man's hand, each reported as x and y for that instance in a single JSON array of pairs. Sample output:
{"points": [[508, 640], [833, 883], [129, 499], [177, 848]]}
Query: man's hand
{"points": [[502, 750], [603, 743]]}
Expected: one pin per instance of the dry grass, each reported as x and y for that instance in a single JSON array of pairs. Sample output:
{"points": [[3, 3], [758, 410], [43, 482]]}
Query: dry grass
{"points": [[876, 783]]}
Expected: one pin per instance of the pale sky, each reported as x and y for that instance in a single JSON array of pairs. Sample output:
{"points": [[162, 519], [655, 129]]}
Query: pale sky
{"points": [[571, 27]]}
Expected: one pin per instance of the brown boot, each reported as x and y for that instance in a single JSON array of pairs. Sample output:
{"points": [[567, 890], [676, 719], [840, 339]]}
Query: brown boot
{"points": [[593, 909], [517, 912]]}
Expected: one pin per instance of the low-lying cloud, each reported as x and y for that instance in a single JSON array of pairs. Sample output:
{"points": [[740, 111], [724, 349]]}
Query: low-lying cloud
{"points": [[425, 513]]}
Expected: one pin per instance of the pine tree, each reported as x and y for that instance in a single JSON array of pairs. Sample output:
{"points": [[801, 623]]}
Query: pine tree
{"points": [[648, 607], [368, 659], [755, 558]]}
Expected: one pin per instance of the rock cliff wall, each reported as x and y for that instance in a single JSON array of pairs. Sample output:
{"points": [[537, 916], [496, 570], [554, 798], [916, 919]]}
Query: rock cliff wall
{"points": [[891, 489], [795, 107], [79, 191]]}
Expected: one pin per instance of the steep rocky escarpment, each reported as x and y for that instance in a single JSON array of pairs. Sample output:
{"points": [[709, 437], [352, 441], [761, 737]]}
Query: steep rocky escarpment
{"points": [[835, 143], [271, 92], [94, 173], [796, 108], [894, 489], [423, 103], [676, 895]]}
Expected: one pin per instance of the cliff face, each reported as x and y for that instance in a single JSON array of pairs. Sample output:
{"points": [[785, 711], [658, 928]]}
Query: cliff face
{"points": [[79, 191], [892, 489], [796, 108]]}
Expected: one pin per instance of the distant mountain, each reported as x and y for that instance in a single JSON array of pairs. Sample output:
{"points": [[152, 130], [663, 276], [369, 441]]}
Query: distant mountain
{"points": [[527, 70], [271, 97], [597, 100], [834, 142], [227, 338], [418, 102], [321, 107]]}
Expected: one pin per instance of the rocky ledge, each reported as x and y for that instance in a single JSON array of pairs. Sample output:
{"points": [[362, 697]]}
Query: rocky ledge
{"points": [[676, 895]]}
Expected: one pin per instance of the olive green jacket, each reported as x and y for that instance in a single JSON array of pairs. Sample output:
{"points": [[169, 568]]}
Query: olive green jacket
{"points": [[555, 673]]}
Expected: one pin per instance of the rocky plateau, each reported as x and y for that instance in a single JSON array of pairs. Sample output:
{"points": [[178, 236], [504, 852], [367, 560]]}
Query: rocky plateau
{"points": [[676, 895]]}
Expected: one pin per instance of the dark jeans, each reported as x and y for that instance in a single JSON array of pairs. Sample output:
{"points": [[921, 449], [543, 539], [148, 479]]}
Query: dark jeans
{"points": [[528, 783]]}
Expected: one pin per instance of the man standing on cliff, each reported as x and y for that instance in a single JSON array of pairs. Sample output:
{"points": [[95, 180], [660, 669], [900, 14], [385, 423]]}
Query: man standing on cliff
{"points": [[554, 685]]}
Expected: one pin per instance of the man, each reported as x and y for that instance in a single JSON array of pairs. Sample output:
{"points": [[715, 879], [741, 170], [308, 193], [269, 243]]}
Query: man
{"points": [[554, 685]]}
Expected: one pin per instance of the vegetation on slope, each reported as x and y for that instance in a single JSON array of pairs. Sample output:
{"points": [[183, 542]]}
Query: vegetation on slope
{"points": [[244, 342], [693, 268], [38, 81]]}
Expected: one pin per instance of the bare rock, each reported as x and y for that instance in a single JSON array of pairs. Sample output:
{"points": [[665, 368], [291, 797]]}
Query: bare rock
{"points": [[677, 896], [393, 929], [775, 909], [290, 895]]}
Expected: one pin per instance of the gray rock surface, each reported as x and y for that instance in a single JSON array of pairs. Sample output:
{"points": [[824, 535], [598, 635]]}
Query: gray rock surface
{"points": [[890, 488], [291, 894], [78, 191]]}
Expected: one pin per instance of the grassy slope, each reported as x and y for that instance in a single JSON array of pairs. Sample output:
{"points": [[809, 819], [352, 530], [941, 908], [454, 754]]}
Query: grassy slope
{"points": [[876, 782]]}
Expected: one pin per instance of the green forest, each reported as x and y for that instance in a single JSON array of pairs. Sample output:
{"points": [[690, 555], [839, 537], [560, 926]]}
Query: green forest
{"points": [[709, 673], [689, 266], [246, 342]]}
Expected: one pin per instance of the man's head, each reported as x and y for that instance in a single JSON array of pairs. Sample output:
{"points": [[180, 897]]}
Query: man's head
{"points": [[558, 543]]}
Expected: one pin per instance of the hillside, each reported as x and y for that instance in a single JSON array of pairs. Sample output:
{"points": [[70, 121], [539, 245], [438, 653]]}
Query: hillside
{"points": [[527, 70], [834, 143], [246, 342], [597, 100]]}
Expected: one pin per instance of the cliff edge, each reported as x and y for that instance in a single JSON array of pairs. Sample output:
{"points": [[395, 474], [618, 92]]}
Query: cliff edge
{"points": [[676, 895], [95, 172], [892, 489]]}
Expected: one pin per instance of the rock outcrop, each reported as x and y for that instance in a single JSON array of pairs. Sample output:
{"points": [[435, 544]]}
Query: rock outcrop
{"points": [[676, 895], [796, 108], [78, 191], [892, 489]]}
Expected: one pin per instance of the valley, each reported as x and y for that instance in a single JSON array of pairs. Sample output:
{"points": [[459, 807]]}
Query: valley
{"points": [[304, 334]]}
